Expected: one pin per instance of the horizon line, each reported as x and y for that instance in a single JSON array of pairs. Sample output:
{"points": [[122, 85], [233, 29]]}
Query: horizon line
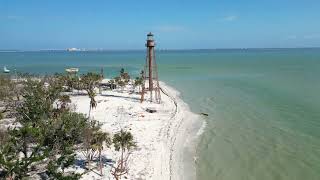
{"points": [[159, 49]]}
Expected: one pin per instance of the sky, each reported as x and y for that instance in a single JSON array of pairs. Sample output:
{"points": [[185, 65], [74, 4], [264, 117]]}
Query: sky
{"points": [[177, 24]]}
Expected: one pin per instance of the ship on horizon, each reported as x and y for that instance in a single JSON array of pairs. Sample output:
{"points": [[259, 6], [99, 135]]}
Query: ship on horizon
{"points": [[73, 49]]}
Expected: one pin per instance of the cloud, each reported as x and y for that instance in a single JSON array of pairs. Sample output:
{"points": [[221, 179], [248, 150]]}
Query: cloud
{"points": [[169, 28], [230, 18]]}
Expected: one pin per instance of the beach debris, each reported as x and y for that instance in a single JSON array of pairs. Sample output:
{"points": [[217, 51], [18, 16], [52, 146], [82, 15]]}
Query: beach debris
{"points": [[151, 110], [107, 84], [204, 114]]}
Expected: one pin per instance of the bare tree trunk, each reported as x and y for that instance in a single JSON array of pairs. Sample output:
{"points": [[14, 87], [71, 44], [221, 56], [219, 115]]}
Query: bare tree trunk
{"points": [[89, 112], [88, 158], [121, 165], [100, 159]]}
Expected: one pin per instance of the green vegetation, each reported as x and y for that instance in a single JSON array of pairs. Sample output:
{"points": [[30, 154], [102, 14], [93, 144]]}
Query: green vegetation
{"points": [[123, 141], [89, 82], [64, 100], [139, 81], [10, 94], [123, 79], [47, 133], [99, 139]]}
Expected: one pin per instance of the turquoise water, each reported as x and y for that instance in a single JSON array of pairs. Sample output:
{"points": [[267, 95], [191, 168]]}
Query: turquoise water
{"points": [[263, 105]]}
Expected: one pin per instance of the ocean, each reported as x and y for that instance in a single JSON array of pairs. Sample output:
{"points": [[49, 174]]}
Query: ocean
{"points": [[263, 104]]}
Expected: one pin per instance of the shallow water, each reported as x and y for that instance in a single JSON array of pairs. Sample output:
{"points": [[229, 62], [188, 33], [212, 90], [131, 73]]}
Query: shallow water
{"points": [[263, 105]]}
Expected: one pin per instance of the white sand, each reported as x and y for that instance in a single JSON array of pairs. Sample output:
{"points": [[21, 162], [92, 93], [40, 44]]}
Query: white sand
{"points": [[161, 137]]}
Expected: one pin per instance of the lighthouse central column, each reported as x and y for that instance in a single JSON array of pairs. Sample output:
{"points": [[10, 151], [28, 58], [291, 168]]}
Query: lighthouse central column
{"points": [[150, 67]]}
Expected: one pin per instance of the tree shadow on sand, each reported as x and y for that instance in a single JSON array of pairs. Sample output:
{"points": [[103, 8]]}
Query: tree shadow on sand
{"points": [[94, 165], [135, 99]]}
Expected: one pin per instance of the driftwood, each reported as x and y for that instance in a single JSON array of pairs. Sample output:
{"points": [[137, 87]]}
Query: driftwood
{"points": [[204, 114], [151, 110]]}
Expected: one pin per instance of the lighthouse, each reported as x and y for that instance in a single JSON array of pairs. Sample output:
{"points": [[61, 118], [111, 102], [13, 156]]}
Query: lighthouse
{"points": [[150, 73]]}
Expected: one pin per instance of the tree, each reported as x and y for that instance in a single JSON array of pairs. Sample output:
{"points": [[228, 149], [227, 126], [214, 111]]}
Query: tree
{"points": [[117, 79], [7, 155], [112, 84], [123, 141], [122, 71], [93, 102], [64, 134], [88, 136], [46, 136], [124, 76], [37, 102], [93, 141], [122, 84], [64, 101], [99, 139], [25, 144], [10, 93], [42, 136], [89, 82], [5, 84], [139, 81], [123, 79]]}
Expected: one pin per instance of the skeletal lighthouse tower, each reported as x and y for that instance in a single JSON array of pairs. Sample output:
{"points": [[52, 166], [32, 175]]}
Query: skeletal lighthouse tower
{"points": [[150, 73]]}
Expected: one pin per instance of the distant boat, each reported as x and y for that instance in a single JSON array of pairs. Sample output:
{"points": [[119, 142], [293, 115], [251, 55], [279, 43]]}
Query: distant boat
{"points": [[5, 70], [73, 49]]}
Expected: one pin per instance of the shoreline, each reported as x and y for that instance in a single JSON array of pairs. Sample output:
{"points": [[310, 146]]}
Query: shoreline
{"points": [[183, 137], [162, 138]]}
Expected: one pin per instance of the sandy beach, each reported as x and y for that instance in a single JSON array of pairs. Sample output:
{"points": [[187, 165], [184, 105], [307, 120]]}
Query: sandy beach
{"points": [[161, 137]]}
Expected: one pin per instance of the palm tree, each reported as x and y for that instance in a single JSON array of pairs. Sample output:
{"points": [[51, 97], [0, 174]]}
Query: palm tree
{"points": [[126, 77], [121, 71], [138, 82], [93, 102], [123, 78], [89, 82], [98, 140], [123, 141]]}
